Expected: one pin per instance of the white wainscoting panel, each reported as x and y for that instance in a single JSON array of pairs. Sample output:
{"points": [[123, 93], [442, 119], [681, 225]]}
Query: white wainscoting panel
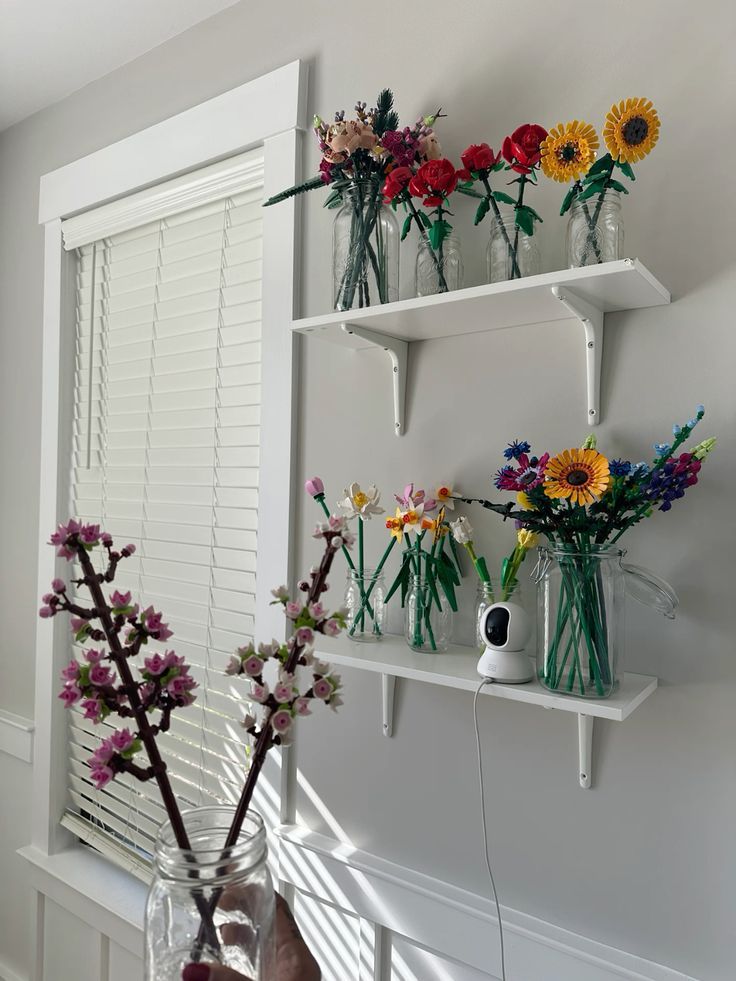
{"points": [[71, 948], [123, 965], [16, 736]]}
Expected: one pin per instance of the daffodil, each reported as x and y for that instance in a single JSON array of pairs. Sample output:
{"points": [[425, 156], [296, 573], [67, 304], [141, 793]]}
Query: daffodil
{"points": [[445, 496]]}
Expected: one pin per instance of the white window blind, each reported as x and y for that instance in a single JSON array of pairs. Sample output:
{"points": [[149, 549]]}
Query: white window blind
{"points": [[166, 456]]}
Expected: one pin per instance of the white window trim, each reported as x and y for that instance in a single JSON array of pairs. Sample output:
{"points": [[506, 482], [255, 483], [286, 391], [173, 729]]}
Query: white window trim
{"points": [[269, 111]]}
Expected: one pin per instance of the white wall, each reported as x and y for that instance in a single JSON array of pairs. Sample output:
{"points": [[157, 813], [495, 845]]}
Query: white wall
{"points": [[645, 861]]}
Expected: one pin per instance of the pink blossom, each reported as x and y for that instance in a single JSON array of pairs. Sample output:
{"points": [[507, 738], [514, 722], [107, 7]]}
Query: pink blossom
{"points": [[47, 597], [155, 665], [316, 610], [71, 671], [154, 625], [315, 487], [146, 692], [92, 709], [180, 685], [70, 694], [122, 739], [281, 720], [58, 586], [104, 753], [79, 626], [46, 611], [100, 675], [127, 550], [331, 628], [61, 536], [234, 666], [293, 610], [259, 692], [322, 688], [248, 721], [106, 538], [301, 706], [120, 601], [101, 775], [93, 656], [335, 702], [253, 666], [284, 690], [305, 636], [338, 523], [246, 651], [90, 534], [173, 660], [281, 593]]}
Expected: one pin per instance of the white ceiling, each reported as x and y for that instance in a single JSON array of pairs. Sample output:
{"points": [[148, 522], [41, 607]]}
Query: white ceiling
{"points": [[51, 48]]}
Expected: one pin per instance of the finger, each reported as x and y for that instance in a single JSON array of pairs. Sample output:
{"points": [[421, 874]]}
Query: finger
{"points": [[211, 972]]}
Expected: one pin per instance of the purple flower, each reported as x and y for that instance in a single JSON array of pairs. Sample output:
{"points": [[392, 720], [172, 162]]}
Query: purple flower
{"points": [[325, 171], [281, 720], [403, 146], [529, 474], [669, 482], [64, 539], [71, 671], [122, 739], [70, 694], [103, 754], [90, 534]]}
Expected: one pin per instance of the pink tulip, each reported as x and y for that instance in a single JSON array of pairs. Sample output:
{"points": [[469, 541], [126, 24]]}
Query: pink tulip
{"points": [[315, 487]]}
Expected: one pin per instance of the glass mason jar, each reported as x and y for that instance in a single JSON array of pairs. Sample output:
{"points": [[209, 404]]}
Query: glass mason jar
{"points": [[484, 597], [438, 270], [512, 253], [580, 605], [210, 904], [595, 230], [365, 249], [427, 622], [365, 602]]}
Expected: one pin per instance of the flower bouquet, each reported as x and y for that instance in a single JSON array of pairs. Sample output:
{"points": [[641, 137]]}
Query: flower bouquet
{"points": [[595, 230], [109, 680], [357, 156], [583, 503], [429, 575], [512, 252]]}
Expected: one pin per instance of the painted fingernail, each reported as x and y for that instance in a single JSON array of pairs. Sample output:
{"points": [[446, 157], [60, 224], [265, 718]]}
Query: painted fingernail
{"points": [[195, 972]]}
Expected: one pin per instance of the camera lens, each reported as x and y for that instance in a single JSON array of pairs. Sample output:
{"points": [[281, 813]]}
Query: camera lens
{"points": [[497, 627]]}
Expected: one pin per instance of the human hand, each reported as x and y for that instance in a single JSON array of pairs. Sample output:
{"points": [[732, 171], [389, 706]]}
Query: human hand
{"points": [[294, 960]]}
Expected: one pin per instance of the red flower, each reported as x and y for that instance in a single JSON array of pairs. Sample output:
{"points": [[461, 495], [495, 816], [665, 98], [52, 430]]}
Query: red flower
{"points": [[395, 183], [479, 156], [434, 181], [521, 149]]}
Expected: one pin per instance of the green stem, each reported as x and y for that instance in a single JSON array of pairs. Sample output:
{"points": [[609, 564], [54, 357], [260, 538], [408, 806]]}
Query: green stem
{"points": [[428, 245], [515, 252], [597, 214], [320, 499], [374, 580], [515, 274]]}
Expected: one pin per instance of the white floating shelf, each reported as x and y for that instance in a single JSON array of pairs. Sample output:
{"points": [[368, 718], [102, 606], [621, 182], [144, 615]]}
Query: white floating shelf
{"points": [[584, 294], [393, 658]]}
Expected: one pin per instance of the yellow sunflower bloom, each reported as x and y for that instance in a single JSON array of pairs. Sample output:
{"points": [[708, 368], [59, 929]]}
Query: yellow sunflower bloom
{"points": [[569, 151], [580, 475], [631, 129]]}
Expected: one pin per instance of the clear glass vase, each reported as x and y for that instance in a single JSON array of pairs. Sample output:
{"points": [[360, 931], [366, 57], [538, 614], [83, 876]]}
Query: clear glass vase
{"points": [[427, 616], [438, 270], [512, 254], [366, 607], [595, 230], [580, 599], [365, 249], [210, 904]]}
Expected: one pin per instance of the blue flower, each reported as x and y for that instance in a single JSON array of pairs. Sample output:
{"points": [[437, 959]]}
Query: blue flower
{"points": [[640, 469], [700, 409], [676, 430], [620, 468], [662, 449], [514, 450]]}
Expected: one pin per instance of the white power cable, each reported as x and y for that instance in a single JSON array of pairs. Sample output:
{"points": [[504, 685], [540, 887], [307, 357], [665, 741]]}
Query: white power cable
{"points": [[487, 681]]}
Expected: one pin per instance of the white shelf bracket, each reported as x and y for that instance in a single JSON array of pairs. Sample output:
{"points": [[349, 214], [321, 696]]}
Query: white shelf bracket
{"points": [[585, 750], [398, 352], [592, 320], [388, 691]]}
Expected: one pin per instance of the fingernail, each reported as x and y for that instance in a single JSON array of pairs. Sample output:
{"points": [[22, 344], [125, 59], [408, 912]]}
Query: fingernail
{"points": [[195, 972]]}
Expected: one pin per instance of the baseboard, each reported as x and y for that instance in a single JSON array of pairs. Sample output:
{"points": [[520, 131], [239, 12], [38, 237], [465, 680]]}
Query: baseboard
{"points": [[449, 921], [16, 738]]}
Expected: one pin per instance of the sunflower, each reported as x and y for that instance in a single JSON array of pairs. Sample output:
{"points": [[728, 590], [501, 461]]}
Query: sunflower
{"points": [[580, 475], [631, 129], [569, 150]]}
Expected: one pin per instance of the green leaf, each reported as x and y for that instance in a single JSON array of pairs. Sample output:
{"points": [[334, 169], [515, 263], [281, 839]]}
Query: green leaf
{"points": [[503, 197], [626, 169], [483, 208], [524, 221], [600, 166], [499, 165], [401, 579], [424, 217], [406, 227], [438, 232], [568, 199], [309, 185], [532, 212], [469, 191], [590, 190], [618, 186]]}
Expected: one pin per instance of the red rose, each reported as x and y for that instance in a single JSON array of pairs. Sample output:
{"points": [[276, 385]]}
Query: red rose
{"points": [[395, 183], [521, 149], [434, 181], [479, 156]]}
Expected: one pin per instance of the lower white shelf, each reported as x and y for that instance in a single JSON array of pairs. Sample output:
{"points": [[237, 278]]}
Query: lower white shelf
{"points": [[393, 658]]}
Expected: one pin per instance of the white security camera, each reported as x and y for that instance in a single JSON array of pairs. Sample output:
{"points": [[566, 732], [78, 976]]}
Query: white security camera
{"points": [[506, 629]]}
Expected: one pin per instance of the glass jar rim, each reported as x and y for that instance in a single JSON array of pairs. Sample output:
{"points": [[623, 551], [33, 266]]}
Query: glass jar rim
{"points": [[607, 550], [355, 575], [177, 863], [610, 196]]}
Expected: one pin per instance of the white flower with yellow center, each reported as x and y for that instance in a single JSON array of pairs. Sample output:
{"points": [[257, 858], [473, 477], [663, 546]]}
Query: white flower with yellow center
{"points": [[361, 503], [444, 496]]}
